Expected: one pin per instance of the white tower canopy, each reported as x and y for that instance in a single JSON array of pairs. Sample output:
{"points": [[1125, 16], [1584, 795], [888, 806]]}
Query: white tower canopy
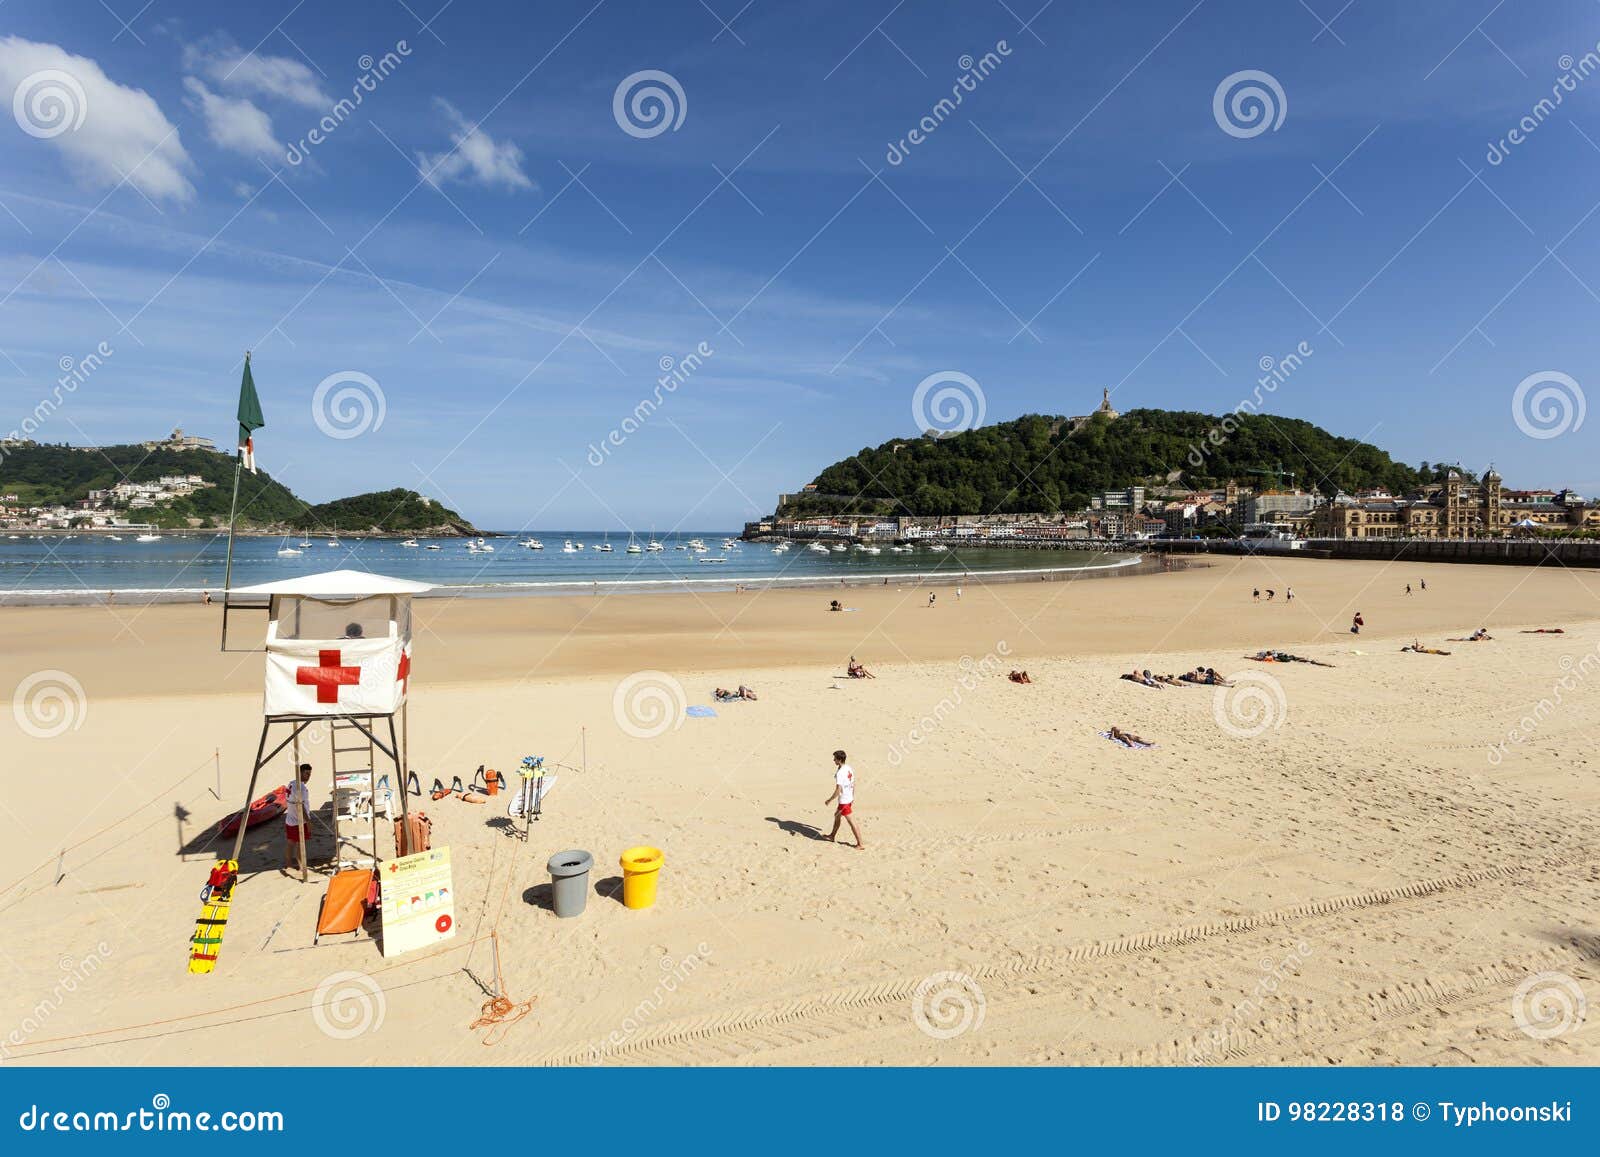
{"points": [[338, 643]]}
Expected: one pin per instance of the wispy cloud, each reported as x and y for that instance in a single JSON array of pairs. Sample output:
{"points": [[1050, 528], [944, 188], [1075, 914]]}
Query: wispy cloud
{"points": [[476, 157], [233, 122], [105, 132], [223, 63]]}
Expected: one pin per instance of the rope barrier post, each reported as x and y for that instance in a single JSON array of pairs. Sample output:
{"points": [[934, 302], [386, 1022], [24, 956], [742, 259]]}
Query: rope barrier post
{"points": [[499, 981], [216, 754]]}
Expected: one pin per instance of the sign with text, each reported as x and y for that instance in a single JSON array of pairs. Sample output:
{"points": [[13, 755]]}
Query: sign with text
{"points": [[419, 902]]}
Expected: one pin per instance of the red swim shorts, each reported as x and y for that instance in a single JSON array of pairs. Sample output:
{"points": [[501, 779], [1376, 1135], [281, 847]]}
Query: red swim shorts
{"points": [[291, 832], [844, 809]]}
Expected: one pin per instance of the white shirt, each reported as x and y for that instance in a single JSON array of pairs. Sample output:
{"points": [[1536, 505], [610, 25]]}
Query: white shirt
{"points": [[846, 779], [297, 795]]}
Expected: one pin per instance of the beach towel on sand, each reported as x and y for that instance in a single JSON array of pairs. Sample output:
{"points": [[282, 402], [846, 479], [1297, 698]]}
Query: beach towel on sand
{"points": [[1124, 743], [700, 712]]}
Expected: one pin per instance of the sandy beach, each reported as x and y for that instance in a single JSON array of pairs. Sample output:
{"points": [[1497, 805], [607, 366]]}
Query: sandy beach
{"points": [[1392, 860]]}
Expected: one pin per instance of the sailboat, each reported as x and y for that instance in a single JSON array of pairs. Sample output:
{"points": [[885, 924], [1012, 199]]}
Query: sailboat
{"points": [[634, 547], [652, 546], [287, 551], [333, 539], [533, 544], [148, 538], [605, 545]]}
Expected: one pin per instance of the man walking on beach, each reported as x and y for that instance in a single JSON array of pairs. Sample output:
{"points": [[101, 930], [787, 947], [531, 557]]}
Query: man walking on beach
{"points": [[844, 791], [297, 821]]}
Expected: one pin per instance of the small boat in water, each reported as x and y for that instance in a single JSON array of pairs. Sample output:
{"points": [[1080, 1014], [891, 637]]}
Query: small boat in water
{"points": [[937, 548], [148, 538], [568, 548], [634, 547], [410, 542], [840, 548], [605, 545], [113, 538], [719, 558], [287, 551], [818, 547], [533, 544], [433, 546]]}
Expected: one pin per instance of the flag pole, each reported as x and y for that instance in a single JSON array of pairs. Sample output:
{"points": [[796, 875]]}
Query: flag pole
{"points": [[233, 506]]}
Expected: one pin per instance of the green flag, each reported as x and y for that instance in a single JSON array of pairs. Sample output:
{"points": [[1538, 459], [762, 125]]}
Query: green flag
{"points": [[250, 418]]}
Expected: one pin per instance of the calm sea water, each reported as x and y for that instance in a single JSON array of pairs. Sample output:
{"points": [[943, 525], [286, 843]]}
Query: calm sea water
{"points": [[84, 568]]}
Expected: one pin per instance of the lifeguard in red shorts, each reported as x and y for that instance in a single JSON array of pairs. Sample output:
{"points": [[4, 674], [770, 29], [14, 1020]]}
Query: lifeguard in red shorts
{"points": [[844, 791]]}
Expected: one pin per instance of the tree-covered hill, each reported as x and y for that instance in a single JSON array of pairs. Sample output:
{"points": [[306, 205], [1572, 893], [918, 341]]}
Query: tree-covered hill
{"points": [[384, 512], [46, 475], [1038, 463]]}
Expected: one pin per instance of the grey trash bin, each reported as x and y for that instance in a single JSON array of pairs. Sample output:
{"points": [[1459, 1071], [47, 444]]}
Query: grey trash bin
{"points": [[569, 882]]}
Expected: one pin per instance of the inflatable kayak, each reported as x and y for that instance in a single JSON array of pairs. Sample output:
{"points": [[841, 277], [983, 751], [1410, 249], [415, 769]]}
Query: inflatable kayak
{"points": [[268, 807]]}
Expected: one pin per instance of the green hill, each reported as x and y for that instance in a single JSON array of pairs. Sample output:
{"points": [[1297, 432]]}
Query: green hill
{"points": [[1038, 463], [384, 512], [45, 475]]}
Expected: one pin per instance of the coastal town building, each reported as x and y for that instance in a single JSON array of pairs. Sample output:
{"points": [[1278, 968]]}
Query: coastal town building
{"points": [[178, 440]]}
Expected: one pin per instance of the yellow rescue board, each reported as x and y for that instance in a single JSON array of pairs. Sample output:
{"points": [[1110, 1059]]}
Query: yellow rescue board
{"points": [[206, 942]]}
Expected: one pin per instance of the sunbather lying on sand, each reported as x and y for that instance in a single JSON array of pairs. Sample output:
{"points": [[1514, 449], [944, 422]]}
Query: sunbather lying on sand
{"points": [[1417, 647], [1143, 677], [1126, 738], [1285, 657], [1207, 676], [1019, 677], [1547, 631], [1479, 636], [857, 671], [725, 696]]}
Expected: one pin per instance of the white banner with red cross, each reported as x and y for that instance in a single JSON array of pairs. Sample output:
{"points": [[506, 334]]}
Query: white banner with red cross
{"points": [[337, 676]]}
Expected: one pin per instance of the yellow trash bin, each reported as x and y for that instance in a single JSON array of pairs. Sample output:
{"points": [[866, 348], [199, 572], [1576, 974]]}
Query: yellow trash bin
{"points": [[640, 867]]}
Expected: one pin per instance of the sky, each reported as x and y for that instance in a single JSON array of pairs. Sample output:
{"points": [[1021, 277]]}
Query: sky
{"points": [[468, 281]]}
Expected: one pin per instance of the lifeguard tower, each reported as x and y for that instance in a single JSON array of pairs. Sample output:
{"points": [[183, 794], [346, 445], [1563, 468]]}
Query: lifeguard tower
{"points": [[338, 648]]}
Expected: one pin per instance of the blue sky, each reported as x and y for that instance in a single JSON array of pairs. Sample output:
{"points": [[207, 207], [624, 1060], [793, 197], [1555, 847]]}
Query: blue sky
{"points": [[483, 240]]}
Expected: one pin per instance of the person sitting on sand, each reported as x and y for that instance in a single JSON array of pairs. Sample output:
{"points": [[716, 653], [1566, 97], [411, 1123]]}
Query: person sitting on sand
{"points": [[1127, 737], [1019, 677], [857, 671], [1271, 594], [1357, 623], [835, 605], [1214, 679]]}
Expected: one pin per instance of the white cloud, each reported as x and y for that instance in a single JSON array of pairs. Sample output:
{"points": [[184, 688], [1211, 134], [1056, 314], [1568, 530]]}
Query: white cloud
{"points": [[233, 122], [105, 132], [476, 157], [283, 77]]}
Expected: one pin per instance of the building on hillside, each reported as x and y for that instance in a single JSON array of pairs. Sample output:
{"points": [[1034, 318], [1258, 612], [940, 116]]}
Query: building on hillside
{"points": [[178, 440], [1455, 508]]}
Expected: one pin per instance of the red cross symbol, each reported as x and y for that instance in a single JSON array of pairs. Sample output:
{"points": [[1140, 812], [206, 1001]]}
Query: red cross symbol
{"points": [[404, 671], [328, 677]]}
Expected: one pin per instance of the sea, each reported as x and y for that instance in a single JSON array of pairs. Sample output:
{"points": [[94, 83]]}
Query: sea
{"points": [[90, 568]]}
